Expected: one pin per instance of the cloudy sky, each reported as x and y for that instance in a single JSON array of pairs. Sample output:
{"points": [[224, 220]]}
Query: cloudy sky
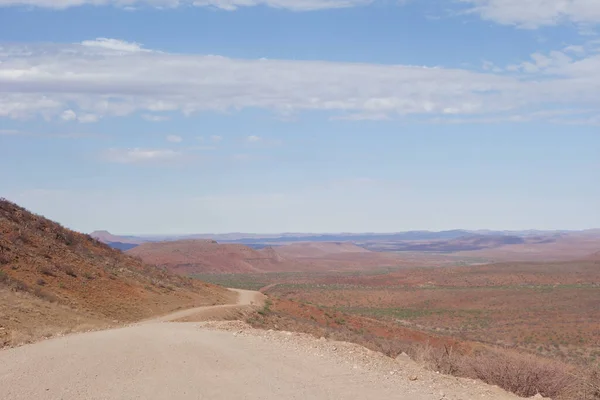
{"points": [[181, 116]]}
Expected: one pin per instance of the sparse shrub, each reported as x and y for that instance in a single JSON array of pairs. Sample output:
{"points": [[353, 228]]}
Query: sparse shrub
{"points": [[444, 360], [47, 271], [18, 238], [45, 296], [41, 282], [523, 374], [66, 236], [591, 383], [19, 286], [266, 308], [4, 277], [87, 275], [69, 271], [39, 224], [5, 259]]}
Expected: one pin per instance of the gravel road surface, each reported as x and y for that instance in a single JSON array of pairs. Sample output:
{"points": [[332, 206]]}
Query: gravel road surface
{"points": [[216, 361]]}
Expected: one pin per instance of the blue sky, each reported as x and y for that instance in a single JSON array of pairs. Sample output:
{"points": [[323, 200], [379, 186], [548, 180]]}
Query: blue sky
{"points": [[166, 116]]}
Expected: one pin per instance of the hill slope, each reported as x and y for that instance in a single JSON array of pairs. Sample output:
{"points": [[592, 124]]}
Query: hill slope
{"points": [[208, 256], [53, 279]]}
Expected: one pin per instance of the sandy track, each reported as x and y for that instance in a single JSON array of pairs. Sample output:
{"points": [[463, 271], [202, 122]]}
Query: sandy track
{"points": [[167, 360], [246, 298]]}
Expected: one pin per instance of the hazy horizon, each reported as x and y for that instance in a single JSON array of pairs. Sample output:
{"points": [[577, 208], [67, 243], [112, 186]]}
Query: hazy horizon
{"points": [[483, 230]]}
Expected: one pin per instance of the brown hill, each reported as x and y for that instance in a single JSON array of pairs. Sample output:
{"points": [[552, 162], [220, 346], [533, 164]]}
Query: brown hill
{"points": [[53, 280], [318, 249], [595, 256], [208, 256], [205, 256]]}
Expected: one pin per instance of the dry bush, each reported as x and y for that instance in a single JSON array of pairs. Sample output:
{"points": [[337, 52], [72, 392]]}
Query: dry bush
{"points": [[523, 374], [89, 276], [14, 284], [4, 278], [69, 271], [47, 271], [588, 387], [442, 359], [5, 259], [45, 295]]}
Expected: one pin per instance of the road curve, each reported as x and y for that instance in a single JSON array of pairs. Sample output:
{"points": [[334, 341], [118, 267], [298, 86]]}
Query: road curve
{"points": [[245, 298], [169, 360]]}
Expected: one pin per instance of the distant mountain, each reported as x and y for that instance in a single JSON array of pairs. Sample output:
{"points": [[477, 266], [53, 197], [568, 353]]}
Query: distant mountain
{"points": [[121, 246], [258, 241], [357, 237], [107, 237], [251, 238], [464, 243]]}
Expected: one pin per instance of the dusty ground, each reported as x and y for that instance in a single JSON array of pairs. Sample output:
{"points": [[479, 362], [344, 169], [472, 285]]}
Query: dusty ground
{"points": [[546, 308], [218, 360]]}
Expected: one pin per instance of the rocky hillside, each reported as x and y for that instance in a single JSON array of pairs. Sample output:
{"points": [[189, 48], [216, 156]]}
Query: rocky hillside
{"points": [[53, 280]]}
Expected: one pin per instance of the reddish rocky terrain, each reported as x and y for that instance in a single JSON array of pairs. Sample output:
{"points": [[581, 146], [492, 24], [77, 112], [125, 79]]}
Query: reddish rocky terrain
{"points": [[55, 280], [207, 256]]}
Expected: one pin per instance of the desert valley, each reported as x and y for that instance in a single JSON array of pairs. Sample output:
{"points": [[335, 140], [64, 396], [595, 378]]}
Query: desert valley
{"points": [[519, 310]]}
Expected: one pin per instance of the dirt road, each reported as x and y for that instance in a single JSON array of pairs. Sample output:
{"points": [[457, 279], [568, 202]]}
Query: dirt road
{"points": [[169, 360], [246, 298]]}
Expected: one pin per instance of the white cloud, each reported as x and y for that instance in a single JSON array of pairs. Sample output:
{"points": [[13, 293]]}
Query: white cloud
{"points": [[535, 13], [230, 5], [253, 139], [137, 155], [63, 135], [202, 148], [64, 81], [155, 118], [369, 116], [88, 118], [523, 13], [113, 44], [174, 139], [68, 115], [216, 138]]}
